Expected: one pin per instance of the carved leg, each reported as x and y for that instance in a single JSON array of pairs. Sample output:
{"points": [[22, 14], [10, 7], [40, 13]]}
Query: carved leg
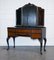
{"points": [[41, 46], [14, 41], [44, 44], [8, 42]]}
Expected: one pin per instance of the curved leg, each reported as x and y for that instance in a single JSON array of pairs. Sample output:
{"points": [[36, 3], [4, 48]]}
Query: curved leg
{"points": [[8, 42], [14, 41], [44, 44], [41, 46]]}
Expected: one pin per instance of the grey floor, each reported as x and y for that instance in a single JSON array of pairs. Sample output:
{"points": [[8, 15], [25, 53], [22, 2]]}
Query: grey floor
{"points": [[26, 53]]}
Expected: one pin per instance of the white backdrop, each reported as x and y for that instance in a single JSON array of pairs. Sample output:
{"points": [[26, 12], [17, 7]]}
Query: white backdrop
{"points": [[8, 19]]}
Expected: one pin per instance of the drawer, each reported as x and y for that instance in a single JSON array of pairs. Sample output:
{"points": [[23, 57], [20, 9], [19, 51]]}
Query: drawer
{"points": [[11, 30], [23, 31], [35, 36], [10, 34], [36, 31]]}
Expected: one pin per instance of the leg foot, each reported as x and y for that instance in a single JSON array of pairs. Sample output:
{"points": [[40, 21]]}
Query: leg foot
{"points": [[7, 49], [44, 50], [41, 53]]}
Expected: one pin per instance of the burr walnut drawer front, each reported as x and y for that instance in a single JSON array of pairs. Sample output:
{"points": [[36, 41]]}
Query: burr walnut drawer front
{"points": [[11, 34], [11, 29], [36, 36], [23, 31], [36, 31]]}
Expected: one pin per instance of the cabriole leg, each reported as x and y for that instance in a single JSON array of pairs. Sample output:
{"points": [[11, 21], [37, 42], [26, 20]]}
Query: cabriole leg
{"points": [[40, 46], [14, 41], [8, 43], [44, 44]]}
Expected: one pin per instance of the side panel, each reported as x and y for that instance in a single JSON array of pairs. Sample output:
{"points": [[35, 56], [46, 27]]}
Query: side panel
{"points": [[40, 16], [18, 17]]}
